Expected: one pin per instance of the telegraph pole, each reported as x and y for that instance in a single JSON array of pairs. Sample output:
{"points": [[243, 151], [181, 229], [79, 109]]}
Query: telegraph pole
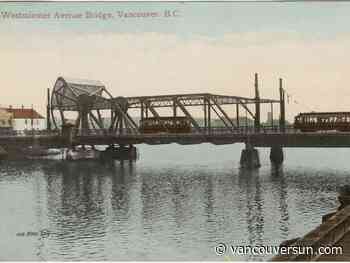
{"points": [[48, 112], [257, 105], [282, 107]]}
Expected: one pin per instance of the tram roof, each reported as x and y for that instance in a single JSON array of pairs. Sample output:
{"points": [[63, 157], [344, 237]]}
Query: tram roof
{"points": [[324, 113], [167, 118]]}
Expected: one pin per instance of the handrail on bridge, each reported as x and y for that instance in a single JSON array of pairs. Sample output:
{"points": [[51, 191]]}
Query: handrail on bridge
{"points": [[127, 132], [28, 133], [201, 131]]}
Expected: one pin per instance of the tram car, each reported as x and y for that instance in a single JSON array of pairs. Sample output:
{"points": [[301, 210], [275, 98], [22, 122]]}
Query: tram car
{"points": [[165, 125], [322, 121]]}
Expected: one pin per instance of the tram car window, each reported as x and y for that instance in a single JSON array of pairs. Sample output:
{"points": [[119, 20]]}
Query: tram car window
{"points": [[322, 121], [165, 125]]}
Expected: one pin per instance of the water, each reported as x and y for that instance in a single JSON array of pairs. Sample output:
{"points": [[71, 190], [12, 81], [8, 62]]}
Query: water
{"points": [[176, 203]]}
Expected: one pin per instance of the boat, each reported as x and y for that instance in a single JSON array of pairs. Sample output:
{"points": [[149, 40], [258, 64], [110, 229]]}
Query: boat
{"points": [[82, 154], [39, 151]]}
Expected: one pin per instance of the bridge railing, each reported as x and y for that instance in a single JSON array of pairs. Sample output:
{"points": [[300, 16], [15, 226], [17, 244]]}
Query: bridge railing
{"points": [[23, 133], [126, 132], [200, 131]]}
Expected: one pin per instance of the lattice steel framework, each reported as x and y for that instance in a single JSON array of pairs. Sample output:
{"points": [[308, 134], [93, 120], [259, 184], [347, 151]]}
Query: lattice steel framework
{"points": [[88, 98]]}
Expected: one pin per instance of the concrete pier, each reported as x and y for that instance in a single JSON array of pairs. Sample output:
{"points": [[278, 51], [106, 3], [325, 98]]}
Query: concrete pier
{"points": [[250, 158], [276, 155]]}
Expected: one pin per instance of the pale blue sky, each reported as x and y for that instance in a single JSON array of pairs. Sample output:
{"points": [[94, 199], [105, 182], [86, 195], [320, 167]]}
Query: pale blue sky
{"points": [[212, 47], [313, 19]]}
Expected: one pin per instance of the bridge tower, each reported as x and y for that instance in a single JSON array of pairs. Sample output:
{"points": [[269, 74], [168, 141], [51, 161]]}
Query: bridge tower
{"points": [[276, 151], [250, 156], [86, 108]]}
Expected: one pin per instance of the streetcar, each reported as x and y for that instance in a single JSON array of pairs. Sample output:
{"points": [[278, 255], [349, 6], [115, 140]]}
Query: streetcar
{"points": [[322, 121], [165, 125]]}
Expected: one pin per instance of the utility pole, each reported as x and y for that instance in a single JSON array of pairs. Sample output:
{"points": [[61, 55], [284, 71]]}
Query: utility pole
{"points": [[48, 111], [32, 117], [282, 107], [257, 105]]}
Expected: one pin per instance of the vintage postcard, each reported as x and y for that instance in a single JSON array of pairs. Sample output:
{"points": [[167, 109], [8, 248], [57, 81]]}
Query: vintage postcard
{"points": [[147, 131]]}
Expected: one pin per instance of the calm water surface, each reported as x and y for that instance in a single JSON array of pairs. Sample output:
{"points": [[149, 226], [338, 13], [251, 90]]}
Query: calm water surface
{"points": [[175, 203]]}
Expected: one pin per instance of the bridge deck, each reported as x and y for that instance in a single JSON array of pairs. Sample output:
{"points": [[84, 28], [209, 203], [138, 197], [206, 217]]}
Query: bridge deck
{"points": [[266, 137]]}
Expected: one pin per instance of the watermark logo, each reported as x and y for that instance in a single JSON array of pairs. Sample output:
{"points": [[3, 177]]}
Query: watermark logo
{"points": [[222, 249]]}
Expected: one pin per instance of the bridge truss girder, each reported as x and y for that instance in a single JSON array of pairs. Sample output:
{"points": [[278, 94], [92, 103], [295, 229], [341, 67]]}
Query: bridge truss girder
{"points": [[211, 103], [88, 98]]}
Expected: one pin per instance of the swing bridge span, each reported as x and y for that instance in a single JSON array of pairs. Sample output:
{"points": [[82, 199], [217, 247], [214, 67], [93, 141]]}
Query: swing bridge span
{"points": [[102, 119]]}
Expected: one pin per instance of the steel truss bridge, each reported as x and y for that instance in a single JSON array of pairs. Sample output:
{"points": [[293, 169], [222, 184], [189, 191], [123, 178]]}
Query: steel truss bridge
{"points": [[84, 112], [86, 100]]}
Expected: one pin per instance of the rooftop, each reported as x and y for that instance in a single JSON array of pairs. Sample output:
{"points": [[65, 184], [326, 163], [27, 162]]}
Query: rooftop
{"points": [[23, 113]]}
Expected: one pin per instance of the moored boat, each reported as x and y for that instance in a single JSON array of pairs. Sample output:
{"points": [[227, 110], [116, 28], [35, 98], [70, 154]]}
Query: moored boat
{"points": [[82, 154]]}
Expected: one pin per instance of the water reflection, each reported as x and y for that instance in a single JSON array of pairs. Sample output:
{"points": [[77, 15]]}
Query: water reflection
{"points": [[250, 181], [281, 194], [123, 211]]}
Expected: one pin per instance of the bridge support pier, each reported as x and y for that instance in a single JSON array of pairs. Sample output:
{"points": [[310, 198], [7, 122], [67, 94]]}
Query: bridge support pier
{"points": [[276, 155], [120, 152], [67, 134], [250, 157], [3, 153]]}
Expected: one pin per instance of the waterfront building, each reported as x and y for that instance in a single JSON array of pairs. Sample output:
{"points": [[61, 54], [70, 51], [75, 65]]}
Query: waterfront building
{"points": [[26, 119], [5, 120]]}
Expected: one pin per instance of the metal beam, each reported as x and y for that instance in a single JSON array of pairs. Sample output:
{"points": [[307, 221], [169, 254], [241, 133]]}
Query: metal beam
{"points": [[209, 114], [271, 115], [114, 117], [48, 114], [221, 118], [100, 118], [126, 117], [134, 124], [247, 109], [188, 115], [92, 123], [150, 107], [257, 104], [62, 117], [282, 107], [96, 120], [205, 115], [237, 115], [154, 112], [142, 111], [197, 99], [174, 109], [223, 112]]}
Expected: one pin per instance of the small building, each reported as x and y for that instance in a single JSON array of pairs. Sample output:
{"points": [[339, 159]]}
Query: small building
{"points": [[26, 119], [5, 120]]}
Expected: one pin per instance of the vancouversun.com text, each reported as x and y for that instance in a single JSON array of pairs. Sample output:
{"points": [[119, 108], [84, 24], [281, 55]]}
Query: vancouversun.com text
{"points": [[224, 249]]}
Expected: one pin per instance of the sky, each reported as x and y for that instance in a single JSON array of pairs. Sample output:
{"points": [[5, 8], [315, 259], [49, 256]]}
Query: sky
{"points": [[206, 47]]}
